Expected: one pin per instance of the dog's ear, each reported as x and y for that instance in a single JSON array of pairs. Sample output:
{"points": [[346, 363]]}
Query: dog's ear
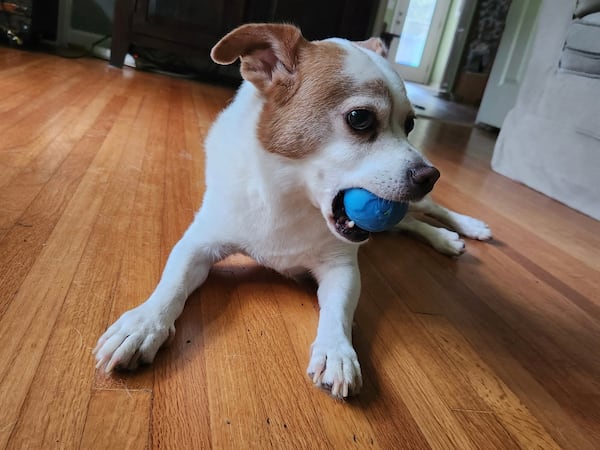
{"points": [[374, 44], [268, 52]]}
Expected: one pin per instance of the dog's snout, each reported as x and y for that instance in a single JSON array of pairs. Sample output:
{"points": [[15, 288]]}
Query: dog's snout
{"points": [[423, 178]]}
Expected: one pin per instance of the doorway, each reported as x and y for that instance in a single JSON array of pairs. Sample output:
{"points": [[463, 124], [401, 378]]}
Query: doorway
{"points": [[417, 26]]}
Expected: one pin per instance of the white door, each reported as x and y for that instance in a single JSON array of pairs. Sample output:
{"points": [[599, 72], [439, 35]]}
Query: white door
{"points": [[419, 24], [510, 63]]}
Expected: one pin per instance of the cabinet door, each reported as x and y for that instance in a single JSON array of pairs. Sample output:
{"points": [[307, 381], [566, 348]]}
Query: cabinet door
{"points": [[198, 23], [318, 19]]}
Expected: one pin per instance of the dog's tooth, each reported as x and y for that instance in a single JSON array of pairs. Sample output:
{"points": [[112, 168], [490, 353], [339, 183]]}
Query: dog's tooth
{"points": [[350, 224]]}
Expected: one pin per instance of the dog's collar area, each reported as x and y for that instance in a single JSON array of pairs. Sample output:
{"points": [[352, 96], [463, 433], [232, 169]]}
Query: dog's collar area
{"points": [[343, 225]]}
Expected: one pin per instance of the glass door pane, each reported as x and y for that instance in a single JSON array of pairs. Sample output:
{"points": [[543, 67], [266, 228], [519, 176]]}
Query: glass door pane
{"points": [[419, 25], [415, 32]]}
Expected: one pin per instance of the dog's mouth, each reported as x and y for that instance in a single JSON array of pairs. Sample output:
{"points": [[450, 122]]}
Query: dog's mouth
{"points": [[342, 223]]}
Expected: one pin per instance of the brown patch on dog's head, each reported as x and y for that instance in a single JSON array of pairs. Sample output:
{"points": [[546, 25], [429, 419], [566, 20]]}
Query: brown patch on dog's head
{"points": [[301, 82], [299, 125]]}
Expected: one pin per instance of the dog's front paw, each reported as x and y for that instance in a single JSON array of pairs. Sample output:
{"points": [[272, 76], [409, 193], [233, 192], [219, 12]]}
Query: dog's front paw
{"points": [[133, 339], [335, 368], [448, 242], [474, 228]]}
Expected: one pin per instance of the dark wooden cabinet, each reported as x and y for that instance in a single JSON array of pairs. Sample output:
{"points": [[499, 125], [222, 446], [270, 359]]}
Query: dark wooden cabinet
{"points": [[192, 27]]}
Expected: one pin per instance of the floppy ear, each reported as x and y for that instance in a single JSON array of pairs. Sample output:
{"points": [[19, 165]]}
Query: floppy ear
{"points": [[268, 52], [374, 44]]}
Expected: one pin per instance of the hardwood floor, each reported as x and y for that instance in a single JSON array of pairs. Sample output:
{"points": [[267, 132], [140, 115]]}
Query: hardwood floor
{"points": [[427, 104], [101, 171]]}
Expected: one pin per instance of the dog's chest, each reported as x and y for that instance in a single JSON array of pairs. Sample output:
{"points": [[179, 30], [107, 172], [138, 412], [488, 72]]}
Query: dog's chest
{"points": [[257, 202], [288, 244]]}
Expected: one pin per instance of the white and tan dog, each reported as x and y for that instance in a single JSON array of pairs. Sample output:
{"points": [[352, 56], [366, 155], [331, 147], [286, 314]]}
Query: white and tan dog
{"points": [[311, 120]]}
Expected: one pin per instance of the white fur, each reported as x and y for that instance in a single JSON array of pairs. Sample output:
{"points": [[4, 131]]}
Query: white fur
{"points": [[443, 240], [278, 210]]}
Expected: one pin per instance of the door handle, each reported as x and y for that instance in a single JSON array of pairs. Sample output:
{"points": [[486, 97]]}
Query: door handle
{"points": [[388, 37]]}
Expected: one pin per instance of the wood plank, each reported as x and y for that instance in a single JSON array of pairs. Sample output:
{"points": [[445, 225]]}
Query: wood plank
{"points": [[235, 415], [506, 406], [34, 71], [577, 272], [30, 317], [486, 431], [404, 372], [23, 125], [522, 366], [447, 377], [26, 239], [118, 419], [84, 308], [290, 423], [82, 120], [461, 296]]}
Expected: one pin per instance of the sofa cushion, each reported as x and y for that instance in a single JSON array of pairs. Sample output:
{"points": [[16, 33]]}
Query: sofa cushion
{"points": [[581, 52]]}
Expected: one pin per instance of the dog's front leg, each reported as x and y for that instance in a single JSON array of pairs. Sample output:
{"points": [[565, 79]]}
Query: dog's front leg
{"points": [[333, 363], [138, 334], [465, 225], [443, 240]]}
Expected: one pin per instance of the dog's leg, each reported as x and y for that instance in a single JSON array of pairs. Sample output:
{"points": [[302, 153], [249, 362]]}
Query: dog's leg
{"points": [[444, 241], [138, 334], [333, 363], [465, 225]]}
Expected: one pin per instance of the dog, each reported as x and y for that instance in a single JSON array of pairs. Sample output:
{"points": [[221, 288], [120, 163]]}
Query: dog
{"points": [[310, 120]]}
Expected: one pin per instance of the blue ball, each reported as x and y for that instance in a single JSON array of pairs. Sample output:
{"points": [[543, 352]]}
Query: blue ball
{"points": [[372, 213]]}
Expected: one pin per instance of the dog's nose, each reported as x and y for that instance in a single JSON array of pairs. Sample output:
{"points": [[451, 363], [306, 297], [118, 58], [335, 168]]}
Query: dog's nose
{"points": [[423, 178]]}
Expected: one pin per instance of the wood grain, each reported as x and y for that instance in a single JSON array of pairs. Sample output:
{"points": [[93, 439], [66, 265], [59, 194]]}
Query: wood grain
{"points": [[101, 171], [118, 419]]}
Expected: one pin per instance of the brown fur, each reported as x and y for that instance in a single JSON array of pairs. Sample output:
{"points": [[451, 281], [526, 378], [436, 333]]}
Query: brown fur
{"points": [[268, 52], [302, 82], [297, 125]]}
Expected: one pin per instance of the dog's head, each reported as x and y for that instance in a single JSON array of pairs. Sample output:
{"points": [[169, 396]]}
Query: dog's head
{"points": [[335, 109]]}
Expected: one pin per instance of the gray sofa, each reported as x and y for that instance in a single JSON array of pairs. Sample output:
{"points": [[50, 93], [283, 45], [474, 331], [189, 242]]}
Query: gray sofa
{"points": [[550, 140]]}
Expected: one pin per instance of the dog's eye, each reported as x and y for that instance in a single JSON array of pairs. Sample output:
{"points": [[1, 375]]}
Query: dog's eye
{"points": [[409, 124], [360, 119]]}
